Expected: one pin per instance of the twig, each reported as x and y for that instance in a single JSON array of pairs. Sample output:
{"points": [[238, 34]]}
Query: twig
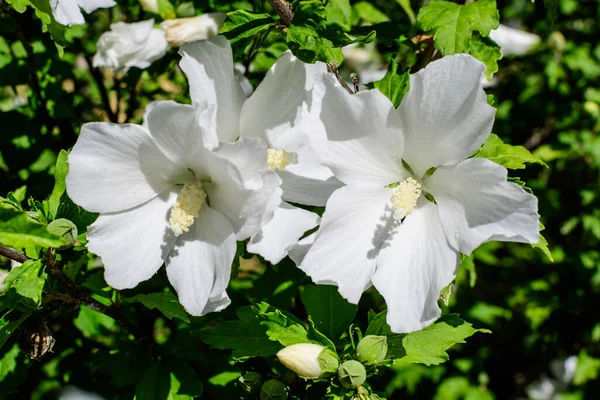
{"points": [[539, 135], [81, 296], [284, 10], [333, 67], [97, 75]]}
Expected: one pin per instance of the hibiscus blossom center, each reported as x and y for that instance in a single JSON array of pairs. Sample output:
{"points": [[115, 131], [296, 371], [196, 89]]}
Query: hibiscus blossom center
{"points": [[186, 208], [405, 197], [279, 159]]}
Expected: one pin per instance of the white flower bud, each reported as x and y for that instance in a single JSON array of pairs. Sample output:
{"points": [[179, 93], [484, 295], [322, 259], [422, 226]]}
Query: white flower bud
{"points": [[150, 6], [183, 30], [308, 360]]}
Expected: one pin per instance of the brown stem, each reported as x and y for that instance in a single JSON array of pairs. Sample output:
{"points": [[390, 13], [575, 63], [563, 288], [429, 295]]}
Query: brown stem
{"points": [[97, 75], [539, 135], [284, 10], [333, 67], [81, 296]]}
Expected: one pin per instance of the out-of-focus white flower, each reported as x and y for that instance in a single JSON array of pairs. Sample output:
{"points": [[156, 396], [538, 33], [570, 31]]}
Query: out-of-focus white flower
{"points": [[74, 393], [3, 274], [150, 6], [365, 61], [130, 45], [308, 360], [514, 41], [183, 30], [67, 12], [413, 198], [545, 388], [275, 113]]}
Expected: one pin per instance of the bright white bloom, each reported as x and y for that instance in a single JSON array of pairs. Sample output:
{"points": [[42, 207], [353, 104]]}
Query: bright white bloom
{"points": [[172, 193], [380, 227], [183, 30], [546, 388], [67, 12], [514, 41], [274, 112], [130, 45], [74, 393]]}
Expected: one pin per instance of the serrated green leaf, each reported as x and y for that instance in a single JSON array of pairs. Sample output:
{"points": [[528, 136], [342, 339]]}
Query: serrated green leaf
{"points": [[339, 12], [19, 231], [428, 346], [453, 24], [488, 52], [44, 12], [9, 324], [8, 362], [543, 245], [155, 383], [165, 302], [60, 186], [246, 337], [511, 157], [283, 330], [395, 84], [241, 27], [26, 282], [330, 312], [185, 383]]}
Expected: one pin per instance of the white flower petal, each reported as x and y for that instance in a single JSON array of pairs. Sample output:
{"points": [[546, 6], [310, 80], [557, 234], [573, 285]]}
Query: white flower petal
{"points": [[354, 226], [133, 244], [280, 234], [357, 136], [477, 205], [445, 115], [90, 6], [67, 12], [182, 30], [208, 65], [182, 132], [115, 167], [514, 41], [199, 266], [413, 267], [241, 188]]}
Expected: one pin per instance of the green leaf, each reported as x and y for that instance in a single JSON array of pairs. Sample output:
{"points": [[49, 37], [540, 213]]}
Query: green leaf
{"points": [[377, 324], [93, 324], [588, 368], [60, 186], [8, 362], [320, 337], [488, 52], [511, 157], [395, 84], [246, 337], [283, 330], [165, 302], [339, 12], [166, 10], [19, 231], [543, 245], [468, 263], [9, 324], [405, 4], [185, 383], [428, 346], [154, 385], [241, 27], [26, 282], [330, 312], [453, 24], [367, 12]]}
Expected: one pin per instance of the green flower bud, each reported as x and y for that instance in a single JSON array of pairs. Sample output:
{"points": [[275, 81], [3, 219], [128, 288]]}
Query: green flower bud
{"points": [[371, 350], [273, 390], [308, 360], [64, 228], [250, 382], [352, 374]]}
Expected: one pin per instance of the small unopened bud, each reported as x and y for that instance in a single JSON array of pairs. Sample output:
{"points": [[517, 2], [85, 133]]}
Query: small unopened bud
{"points": [[352, 374], [150, 6], [273, 390], [182, 30], [371, 350], [250, 382], [64, 228], [308, 360]]}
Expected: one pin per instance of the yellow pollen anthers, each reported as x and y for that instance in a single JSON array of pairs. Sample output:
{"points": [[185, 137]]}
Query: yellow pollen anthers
{"points": [[186, 208], [405, 197], [279, 159]]}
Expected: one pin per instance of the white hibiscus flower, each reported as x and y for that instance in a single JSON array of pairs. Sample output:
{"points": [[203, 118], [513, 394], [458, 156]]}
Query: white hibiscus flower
{"points": [[130, 45], [67, 12], [275, 112], [172, 193], [201, 27], [382, 226], [514, 41]]}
